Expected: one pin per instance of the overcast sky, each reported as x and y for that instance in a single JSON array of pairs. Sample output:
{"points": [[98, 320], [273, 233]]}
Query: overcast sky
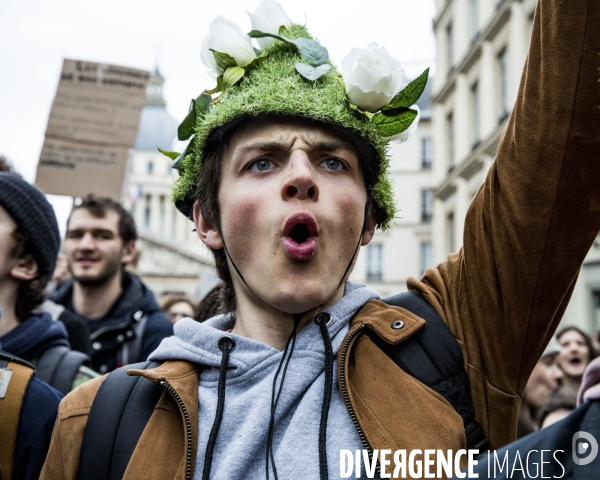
{"points": [[36, 35]]}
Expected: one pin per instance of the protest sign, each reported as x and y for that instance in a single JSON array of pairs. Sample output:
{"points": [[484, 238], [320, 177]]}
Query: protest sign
{"points": [[92, 125]]}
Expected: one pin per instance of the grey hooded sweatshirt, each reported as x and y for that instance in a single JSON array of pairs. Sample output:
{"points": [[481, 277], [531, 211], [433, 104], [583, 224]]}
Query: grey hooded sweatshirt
{"points": [[241, 441]]}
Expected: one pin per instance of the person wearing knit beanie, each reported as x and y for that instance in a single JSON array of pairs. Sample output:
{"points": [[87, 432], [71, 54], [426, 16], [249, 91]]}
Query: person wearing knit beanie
{"points": [[34, 217], [29, 244]]}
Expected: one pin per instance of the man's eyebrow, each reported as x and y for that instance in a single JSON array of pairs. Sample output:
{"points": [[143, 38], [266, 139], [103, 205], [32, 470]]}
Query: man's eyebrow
{"points": [[94, 231], [263, 147], [330, 146]]}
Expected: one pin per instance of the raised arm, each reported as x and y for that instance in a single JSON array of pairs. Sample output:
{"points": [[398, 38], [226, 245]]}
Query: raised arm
{"points": [[532, 222]]}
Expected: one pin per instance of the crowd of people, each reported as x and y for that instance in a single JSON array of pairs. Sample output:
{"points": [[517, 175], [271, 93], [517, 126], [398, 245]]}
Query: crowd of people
{"points": [[72, 314], [82, 299], [286, 363], [552, 388]]}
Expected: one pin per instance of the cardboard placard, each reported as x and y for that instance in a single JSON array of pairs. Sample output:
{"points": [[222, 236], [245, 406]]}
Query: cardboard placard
{"points": [[92, 125], [76, 169]]}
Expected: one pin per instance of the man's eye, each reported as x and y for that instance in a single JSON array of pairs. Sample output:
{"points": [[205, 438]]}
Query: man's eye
{"points": [[333, 164], [261, 165]]}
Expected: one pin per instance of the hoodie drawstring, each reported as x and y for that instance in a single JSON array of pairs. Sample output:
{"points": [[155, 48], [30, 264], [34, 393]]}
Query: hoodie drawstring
{"points": [[270, 459], [226, 345], [323, 319]]}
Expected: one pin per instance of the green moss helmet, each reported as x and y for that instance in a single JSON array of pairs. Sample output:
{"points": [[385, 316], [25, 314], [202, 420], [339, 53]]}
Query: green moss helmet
{"points": [[293, 76]]}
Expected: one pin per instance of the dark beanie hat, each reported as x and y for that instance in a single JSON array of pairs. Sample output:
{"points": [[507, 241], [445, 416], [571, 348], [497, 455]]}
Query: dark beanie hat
{"points": [[34, 217]]}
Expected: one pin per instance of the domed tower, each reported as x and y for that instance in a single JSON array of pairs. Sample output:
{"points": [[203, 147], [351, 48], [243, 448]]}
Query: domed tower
{"points": [[174, 260], [157, 128]]}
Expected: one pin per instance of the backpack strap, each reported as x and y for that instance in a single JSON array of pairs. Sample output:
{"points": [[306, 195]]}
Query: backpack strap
{"points": [[58, 366], [119, 413], [15, 375], [432, 356]]}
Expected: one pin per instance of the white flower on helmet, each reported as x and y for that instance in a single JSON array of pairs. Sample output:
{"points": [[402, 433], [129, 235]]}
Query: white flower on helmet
{"points": [[226, 37], [268, 17], [372, 77]]}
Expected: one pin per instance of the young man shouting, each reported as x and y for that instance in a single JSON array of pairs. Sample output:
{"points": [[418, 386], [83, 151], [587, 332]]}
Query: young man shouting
{"points": [[285, 178]]}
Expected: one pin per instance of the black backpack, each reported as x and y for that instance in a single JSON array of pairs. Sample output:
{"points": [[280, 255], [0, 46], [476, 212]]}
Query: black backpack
{"points": [[58, 366], [124, 404]]}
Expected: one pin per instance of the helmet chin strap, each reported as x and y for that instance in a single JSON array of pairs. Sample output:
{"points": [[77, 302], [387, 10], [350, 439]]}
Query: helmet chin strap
{"points": [[299, 316]]}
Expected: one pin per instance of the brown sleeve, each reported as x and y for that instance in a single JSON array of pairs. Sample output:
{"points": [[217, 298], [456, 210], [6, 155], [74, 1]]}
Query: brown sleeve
{"points": [[532, 222], [62, 461]]}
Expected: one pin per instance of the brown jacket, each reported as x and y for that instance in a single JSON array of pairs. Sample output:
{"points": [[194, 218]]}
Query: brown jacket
{"points": [[526, 235]]}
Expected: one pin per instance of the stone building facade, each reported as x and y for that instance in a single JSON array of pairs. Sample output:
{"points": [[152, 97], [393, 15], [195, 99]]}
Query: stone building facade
{"points": [[481, 50]]}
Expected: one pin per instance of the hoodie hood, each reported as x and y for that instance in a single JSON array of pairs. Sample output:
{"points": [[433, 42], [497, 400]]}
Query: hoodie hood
{"points": [[135, 297], [34, 336], [198, 342]]}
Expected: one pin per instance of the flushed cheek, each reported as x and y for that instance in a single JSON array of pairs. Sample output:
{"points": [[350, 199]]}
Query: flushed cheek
{"points": [[245, 225], [350, 218]]}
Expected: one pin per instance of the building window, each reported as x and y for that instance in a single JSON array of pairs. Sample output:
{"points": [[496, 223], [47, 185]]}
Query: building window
{"points": [[150, 167], [147, 212], [426, 256], [426, 205], [163, 213], [450, 140], [503, 80], [375, 262], [426, 153], [474, 6], [449, 47], [475, 113], [450, 229]]}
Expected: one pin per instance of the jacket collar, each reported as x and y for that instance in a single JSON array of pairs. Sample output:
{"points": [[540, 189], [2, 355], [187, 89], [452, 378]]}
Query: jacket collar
{"points": [[382, 319]]}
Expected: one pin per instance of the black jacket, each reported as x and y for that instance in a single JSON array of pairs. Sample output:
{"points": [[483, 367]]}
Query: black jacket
{"points": [[32, 337], [114, 335], [36, 422]]}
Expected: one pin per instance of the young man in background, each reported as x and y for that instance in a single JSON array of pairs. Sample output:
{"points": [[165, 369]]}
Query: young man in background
{"points": [[124, 320]]}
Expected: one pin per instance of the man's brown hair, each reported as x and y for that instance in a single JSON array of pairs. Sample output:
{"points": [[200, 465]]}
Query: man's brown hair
{"points": [[98, 206]]}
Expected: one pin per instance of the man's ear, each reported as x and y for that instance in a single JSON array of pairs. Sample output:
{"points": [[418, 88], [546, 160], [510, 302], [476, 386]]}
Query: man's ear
{"points": [[129, 252], [25, 269], [207, 231], [369, 232]]}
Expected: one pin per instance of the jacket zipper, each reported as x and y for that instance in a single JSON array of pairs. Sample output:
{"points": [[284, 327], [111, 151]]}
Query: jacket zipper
{"points": [[188, 427], [344, 389]]}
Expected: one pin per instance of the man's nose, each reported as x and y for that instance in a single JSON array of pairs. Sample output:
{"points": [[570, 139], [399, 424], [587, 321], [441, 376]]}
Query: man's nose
{"points": [[300, 181], [87, 241]]}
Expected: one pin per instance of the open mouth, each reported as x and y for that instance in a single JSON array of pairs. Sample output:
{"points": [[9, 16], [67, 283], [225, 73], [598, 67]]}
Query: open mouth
{"points": [[299, 233], [300, 236]]}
